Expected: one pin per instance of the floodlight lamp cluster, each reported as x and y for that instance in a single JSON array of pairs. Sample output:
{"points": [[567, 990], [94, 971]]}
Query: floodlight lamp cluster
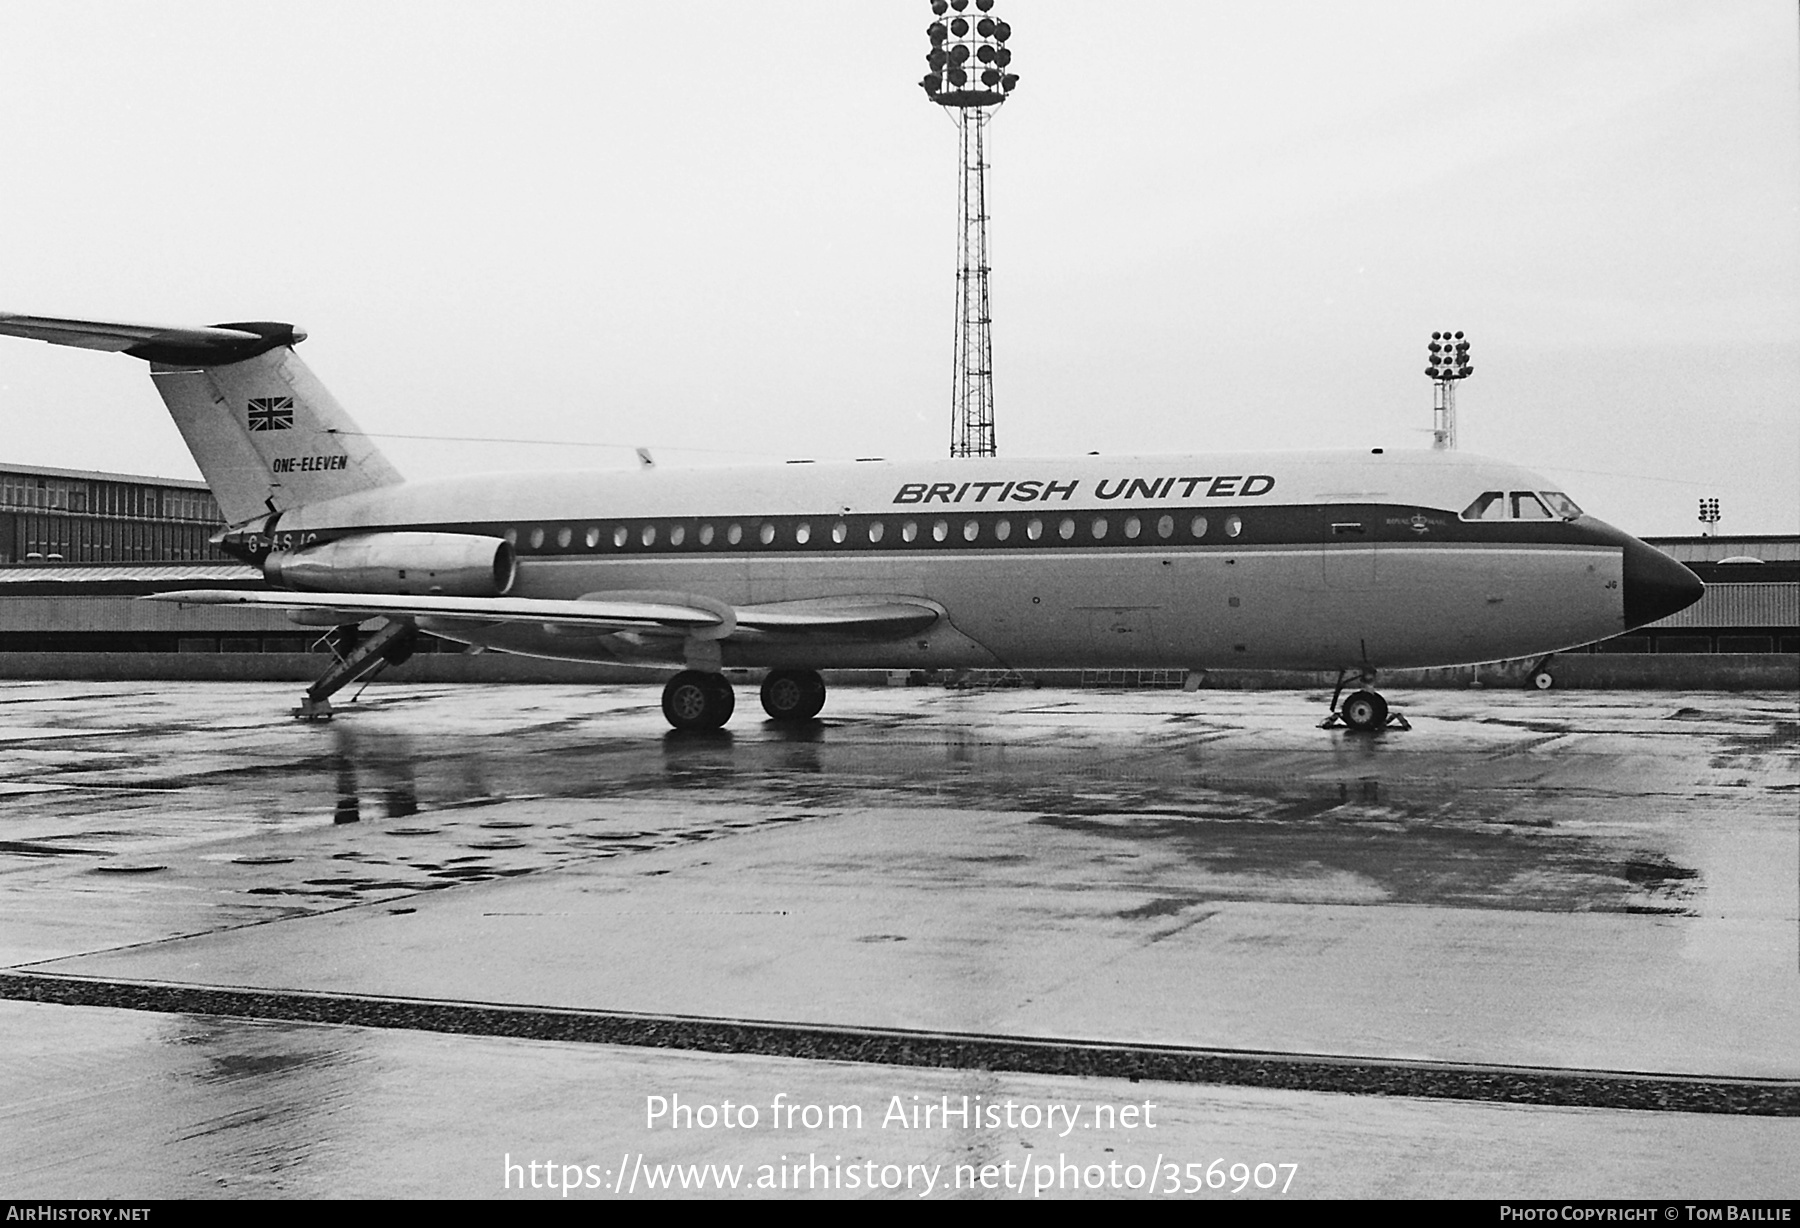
{"points": [[1709, 511], [968, 60], [1449, 357]]}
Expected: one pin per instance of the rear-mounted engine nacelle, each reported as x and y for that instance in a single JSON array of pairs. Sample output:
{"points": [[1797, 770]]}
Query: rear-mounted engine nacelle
{"points": [[404, 564]]}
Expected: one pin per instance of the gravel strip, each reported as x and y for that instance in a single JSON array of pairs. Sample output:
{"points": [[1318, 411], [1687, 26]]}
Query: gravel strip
{"points": [[1297, 1072]]}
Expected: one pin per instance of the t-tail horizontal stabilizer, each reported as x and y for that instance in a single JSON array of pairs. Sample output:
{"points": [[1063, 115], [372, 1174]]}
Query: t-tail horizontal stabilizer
{"points": [[265, 432]]}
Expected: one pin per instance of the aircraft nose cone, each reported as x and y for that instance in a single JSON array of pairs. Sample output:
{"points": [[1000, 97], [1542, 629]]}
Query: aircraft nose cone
{"points": [[1656, 586]]}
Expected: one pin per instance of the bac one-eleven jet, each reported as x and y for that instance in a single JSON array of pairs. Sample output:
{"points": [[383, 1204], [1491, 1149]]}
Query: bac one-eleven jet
{"points": [[1347, 561]]}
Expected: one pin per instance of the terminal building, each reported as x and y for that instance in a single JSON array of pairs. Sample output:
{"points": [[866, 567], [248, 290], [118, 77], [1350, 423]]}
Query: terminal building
{"points": [[1752, 601], [77, 548], [72, 516]]}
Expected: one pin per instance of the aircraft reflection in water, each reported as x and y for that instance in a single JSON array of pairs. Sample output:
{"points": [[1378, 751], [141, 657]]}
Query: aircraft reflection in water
{"points": [[1348, 560], [380, 768]]}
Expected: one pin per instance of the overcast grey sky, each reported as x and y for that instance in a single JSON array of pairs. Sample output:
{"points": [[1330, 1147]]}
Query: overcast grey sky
{"points": [[729, 227]]}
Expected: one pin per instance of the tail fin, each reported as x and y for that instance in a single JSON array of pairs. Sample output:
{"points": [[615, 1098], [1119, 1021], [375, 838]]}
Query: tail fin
{"points": [[264, 431]]}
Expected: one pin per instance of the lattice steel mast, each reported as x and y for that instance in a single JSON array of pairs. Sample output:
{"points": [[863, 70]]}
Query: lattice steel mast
{"points": [[968, 77]]}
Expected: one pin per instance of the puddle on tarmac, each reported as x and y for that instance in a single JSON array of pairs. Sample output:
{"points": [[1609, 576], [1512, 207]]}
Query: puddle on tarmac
{"points": [[1470, 827]]}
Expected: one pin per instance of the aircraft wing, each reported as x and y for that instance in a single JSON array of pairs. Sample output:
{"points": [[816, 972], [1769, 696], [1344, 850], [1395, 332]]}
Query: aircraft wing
{"points": [[628, 614], [873, 618], [100, 335]]}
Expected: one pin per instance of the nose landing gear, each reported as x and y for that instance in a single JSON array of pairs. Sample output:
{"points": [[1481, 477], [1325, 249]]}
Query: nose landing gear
{"points": [[1365, 710]]}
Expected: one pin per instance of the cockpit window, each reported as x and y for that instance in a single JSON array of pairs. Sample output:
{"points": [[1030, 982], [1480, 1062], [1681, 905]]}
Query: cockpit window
{"points": [[1489, 506], [1527, 506], [1561, 504]]}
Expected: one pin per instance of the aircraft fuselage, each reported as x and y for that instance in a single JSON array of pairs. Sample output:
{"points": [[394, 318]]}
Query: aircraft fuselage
{"points": [[1264, 560]]}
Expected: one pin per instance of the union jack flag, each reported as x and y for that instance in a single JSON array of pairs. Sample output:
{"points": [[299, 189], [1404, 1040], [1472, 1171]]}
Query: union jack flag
{"points": [[271, 413]]}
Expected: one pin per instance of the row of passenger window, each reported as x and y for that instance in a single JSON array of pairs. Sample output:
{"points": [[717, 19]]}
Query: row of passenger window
{"points": [[801, 533]]}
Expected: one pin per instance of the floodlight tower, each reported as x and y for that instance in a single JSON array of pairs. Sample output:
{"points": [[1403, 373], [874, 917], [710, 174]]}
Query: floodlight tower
{"points": [[1709, 517], [1449, 363], [969, 78]]}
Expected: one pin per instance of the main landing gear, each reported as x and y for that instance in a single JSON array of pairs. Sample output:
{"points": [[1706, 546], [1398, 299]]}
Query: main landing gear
{"points": [[694, 699], [793, 695], [1364, 711]]}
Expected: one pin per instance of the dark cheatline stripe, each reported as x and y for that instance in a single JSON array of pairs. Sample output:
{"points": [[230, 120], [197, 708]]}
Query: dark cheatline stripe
{"points": [[950, 1050], [1342, 526]]}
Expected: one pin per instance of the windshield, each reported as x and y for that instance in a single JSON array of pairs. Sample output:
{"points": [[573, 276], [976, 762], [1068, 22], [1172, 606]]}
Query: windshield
{"points": [[1561, 504], [1489, 506], [1526, 506], [1522, 505]]}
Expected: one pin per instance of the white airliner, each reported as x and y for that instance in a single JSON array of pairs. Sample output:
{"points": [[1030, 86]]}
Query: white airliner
{"points": [[1353, 561]]}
